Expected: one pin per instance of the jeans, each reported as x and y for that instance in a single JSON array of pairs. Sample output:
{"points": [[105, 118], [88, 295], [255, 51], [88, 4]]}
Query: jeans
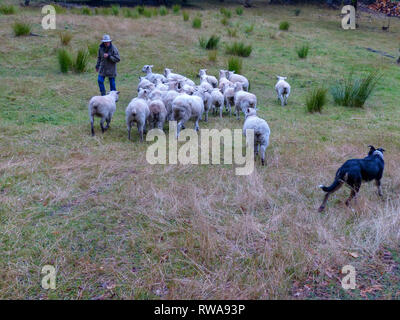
{"points": [[100, 80]]}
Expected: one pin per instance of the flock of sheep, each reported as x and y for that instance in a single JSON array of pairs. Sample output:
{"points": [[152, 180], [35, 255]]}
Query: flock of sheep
{"points": [[174, 97]]}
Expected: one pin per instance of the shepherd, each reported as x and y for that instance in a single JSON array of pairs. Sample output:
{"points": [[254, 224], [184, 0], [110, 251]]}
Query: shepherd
{"points": [[106, 66]]}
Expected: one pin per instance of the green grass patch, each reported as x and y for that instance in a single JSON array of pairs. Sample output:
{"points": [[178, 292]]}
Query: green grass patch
{"points": [[239, 11], [115, 10], [8, 9], [196, 24], [21, 28], [86, 11], [354, 92], [185, 15], [302, 52], [81, 61], [235, 64], [284, 26], [64, 60], [238, 48], [227, 13], [176, 8], [163, 11], [210, 44], [316, 99]]}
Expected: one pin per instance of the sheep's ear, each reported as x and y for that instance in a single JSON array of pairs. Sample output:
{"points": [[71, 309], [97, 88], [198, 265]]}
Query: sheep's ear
{"points": [[284, 78], [151, 66]]}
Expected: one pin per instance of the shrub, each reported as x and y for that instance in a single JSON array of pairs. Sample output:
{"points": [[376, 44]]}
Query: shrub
{"points": [[93, 48], [176, 8], [140, 9], [196, 23], [239, 11], [235, 64], [7, 9], [115, 10], [239, 49], [154, 12], [210, 44], [21, 28], [65, 37], [212, 55], [86, 11], [81, 61], [302, 52], [316, 99], [64, 60], [284, 25], [185, 15], [232, 32], [355, 92], [249, 29], [227, 13], [163, 11], [297, 12]]}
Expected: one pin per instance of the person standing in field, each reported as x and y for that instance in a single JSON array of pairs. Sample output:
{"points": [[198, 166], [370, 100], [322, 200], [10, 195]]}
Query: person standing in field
{"points": [[107, 59]]}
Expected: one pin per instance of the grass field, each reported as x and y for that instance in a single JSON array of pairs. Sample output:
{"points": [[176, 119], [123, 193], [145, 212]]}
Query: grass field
{"points": [[117, 227]]}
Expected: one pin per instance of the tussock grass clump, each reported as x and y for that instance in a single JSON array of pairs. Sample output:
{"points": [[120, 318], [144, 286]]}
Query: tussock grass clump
{"points": [[225, 21], [93, 48], [249, 29], [210, 44], [64, 60], [302, 52], [235, 64], [196, 24], [7, 9], [239, 11], [354, 92], [232, 32], [65, 37], [104, 11], [115, 10], [86, 11], [316, 99], [239, 49], [176, 8], [227, 13], [147, 12], [21, 28], [185, 15], [130, 13], [163, 11], [212, 55], [81, 61], [284, 26]]}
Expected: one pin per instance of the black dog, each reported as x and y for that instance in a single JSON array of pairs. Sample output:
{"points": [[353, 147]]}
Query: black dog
{"points": [[354, 171]]}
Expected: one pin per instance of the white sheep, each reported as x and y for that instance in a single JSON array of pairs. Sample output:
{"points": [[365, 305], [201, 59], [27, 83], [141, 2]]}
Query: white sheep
{"points": [[223, 80], [186, 107], [157, 115], [206, 97], [145, 84], [231, 76], [261, 132], [169, 97], [161, 86], [104, 107], [282, 89], [229, 96], [243, 100], [153, 76], [205, 85], [217, 101], [210, 79], [137, 111], [177, 77]]}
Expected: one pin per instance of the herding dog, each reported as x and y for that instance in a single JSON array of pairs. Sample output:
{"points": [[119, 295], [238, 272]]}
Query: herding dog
{"points": [[354, 171]]}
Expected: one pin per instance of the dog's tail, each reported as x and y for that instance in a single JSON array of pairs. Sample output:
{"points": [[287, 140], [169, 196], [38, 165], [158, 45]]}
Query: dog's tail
{"points": [[340, 178]]}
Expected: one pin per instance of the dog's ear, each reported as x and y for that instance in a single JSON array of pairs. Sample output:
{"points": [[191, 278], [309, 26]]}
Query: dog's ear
{"points": [[371, 147]]}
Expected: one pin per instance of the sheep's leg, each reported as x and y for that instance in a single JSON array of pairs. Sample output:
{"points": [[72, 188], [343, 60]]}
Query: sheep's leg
{"points": [[237, 112], [282, 100], [206, 116], [196, 126], [92, 125], [140, 129], [287, 97], [220, 112], [378, 184], [129, 131], [102, 124], [108, 120], [322, 206], [263, 148]]}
